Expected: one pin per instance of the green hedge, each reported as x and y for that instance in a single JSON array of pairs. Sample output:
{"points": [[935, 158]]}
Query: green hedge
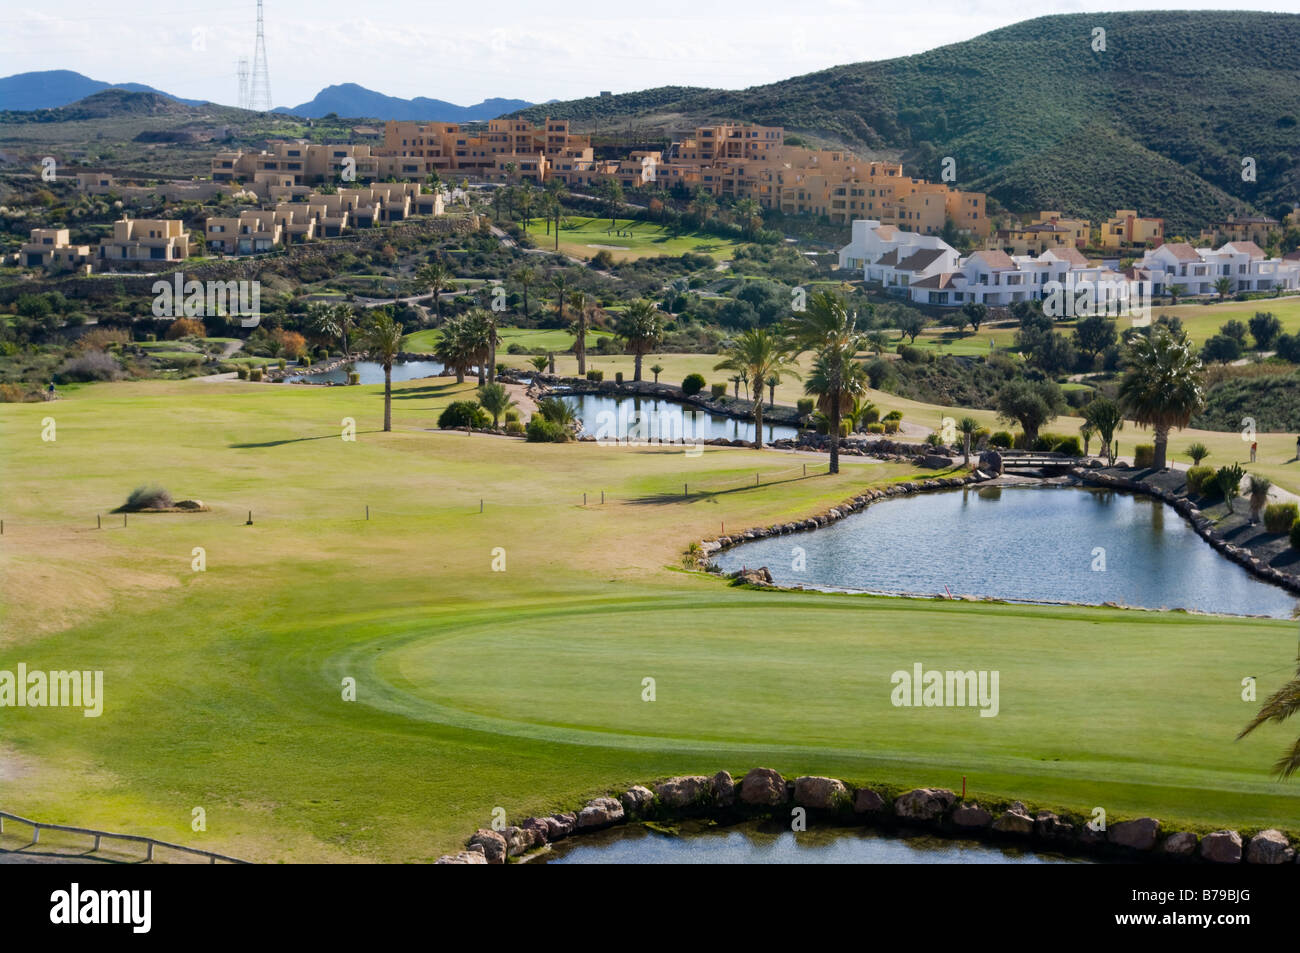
{"points": [[1197, 478], [1144, 456], [1280, 517]]}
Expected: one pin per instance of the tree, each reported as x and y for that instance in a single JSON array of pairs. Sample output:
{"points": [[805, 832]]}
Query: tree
{"points": [[437, 278], [640, 328], [757, 354], [578, 302], [967, 427], [525, 278], [878, 341], [750, 214], [1162, 386], [1105, 417], [1094, 334], [381, 339], [1198, 452], [829, 330], [1223, 286], [480, 329], [1258, 488], [1228, 480], [333, 321], [455, 347], [1030, 404], [1264, 328], [1280, 706], [976, 314], [1087, 431], [1221, 349], [496, 400], [656, 370], [912, 323], [1234, 329], [560, 282], [610, 192]]}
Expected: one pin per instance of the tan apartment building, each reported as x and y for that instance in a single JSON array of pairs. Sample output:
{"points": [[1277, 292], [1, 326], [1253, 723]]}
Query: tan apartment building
{"points": [[1242, 228], [1126, 228], [145, 239], [448, 148], [1047, 231], [52, 248]]}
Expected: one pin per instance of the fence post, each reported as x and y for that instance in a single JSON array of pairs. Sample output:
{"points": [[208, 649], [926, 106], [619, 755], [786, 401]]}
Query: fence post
{"points": [[584, 499], [367, 511], [36, 833], [149, 856], [480, 505], [96, 847], [686, 490], [602, 497], [755, 479], [99, 521], [123, 519], [250, 518]]}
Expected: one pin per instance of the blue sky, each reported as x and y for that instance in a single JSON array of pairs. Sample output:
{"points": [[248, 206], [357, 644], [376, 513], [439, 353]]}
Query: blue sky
{"points": [[520, 49]]}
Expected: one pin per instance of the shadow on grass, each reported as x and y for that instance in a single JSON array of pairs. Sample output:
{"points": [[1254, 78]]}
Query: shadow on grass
{"points": [[696, 496], [421, 393], [280, 443]]}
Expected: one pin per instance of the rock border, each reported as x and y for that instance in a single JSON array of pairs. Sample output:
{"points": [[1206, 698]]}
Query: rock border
{"points": [[764, 791]]}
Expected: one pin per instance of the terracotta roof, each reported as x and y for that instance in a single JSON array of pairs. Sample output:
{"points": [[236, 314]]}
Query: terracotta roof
{"points": [[1182, 251], [935, 281], [995, 259], [1249, 248], [1292, 255], [1067, 253], [886, 232], [888, 258], [921, 259]]}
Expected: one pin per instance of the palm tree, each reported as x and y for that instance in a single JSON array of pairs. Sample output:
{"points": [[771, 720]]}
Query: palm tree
{"points": [[480, 327], [1162, 385], [1223, 286], [496, 400], [525, 277], [381, 339], [1284, 703], [771, 381], [578, 302], [437, 278], [828, 329], [750, 214], [539, 363], [333, 321], [1198, 452], [757, 354], [859, 413], [1105, 417], [1259, 487], [526, 201], [967, 427], [453, 347], [640, 328], [656, 370], [560, 282], [1087, 431]]}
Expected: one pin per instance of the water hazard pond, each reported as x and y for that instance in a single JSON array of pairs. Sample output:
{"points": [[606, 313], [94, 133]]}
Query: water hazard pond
{"points": [[1030, 544], [371, 373], [654, 419], [765, 843]]}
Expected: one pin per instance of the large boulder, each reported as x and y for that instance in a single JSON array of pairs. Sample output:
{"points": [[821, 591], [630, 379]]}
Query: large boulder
{"points": [[971, 816], [678, 793], [518, 840], [991, 462], [761, 576], [924, 804], [1269, 847], [821, 794], [1140, 834], [539, 829], [1221, 847], [1050, 826], [636, 800], [1015, 820], [492, 844], [763, 787], [867, 801], [463, 857], [599, 812], [559, 826], [724, 789], [1182, 844], [935, 461]]}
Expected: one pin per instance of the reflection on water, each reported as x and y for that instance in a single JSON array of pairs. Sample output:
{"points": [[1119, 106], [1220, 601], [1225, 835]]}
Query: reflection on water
{"points": [[372, 373], [1021, 543], [767, 843], [653, 419]]}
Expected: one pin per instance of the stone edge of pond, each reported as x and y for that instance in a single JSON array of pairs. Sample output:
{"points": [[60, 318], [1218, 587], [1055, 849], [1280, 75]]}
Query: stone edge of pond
{"points": [[762, 792], [1201, 523]]}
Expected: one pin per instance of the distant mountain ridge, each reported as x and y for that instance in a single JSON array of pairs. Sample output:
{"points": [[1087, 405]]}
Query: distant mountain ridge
{"points": [[1160, 121], [50, 89], [352, 100]]}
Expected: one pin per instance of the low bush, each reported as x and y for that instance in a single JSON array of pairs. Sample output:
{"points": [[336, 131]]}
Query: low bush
{"points": [[875, 428], [1069, 446], [541, 430], [15, 394], [512, 414], [618, 377], [718, 391], [242, 372], [91, 366], [151, 497], [1001, 439], [515, 426], [354, 377], [185, 328], [894, 415], [692, 384], [255, 374], [1144, 456], [891, 426], [304, 361], [463, 413], [595, 376], [1280, 517], [1046, 442], [1197, 478]]}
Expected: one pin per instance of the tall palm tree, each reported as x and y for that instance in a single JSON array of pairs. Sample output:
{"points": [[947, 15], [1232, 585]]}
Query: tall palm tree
{"points": [[581, 317], [481, 331], [437, 278], [1105, 417], [334, 321], [560, 282], [757, 354], [1284, 703], [496, 400], [381, 339], [1162, 386], [750, 214], [640, 328], [525, 278], [455, 348], [967, 427], [827, 328]]}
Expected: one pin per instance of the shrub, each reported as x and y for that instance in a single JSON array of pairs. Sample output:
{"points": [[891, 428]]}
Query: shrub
{"points": [[595, 375], [463, 413], [718, 391], [242, 372], [1045, 442], [1196, 479], [1280, 517], [515, 426], [894, 415], [1144, 456], [91, 366], [934, 440], [980, 438], [280, 363], [1295, 535], [151, 497], [354, 377], [101, 339], [692, 384], [185, 328], [618, 377], [805, 406], [891, 426], [512, 413], [255, 374], [304, 361], [1228, 480], [913, 355], [1069, 446], [1198, 452], [875, 428], [1001, 439], [12, 394], [516, 348], [541, 430]]}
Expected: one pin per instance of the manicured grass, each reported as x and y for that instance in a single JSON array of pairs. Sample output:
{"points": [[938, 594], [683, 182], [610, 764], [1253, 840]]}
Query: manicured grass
{"points": [[548, 339], [522, 689], [584, 237]]}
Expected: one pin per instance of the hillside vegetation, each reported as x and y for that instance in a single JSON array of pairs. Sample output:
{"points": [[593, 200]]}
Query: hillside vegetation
{"points": [[1159, 121]]}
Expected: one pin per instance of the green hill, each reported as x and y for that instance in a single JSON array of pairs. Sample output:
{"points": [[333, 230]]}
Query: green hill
{"points": [[1159, 121]]}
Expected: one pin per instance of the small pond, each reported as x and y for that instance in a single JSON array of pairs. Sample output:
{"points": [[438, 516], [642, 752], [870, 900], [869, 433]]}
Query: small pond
{"points": [[651, 419], [764, 843], [1030, 544], [373, 373]]}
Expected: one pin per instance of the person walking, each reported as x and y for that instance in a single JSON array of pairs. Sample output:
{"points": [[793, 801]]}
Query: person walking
{"points": [[1254, 448], [49, 395]]}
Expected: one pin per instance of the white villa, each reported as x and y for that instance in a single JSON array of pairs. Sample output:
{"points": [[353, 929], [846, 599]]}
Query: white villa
{"points": [[927, 270]]}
